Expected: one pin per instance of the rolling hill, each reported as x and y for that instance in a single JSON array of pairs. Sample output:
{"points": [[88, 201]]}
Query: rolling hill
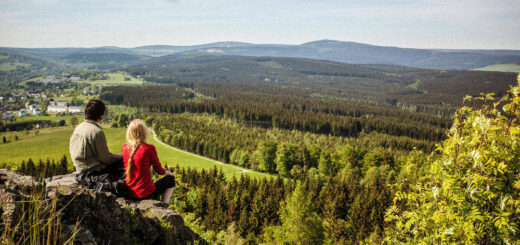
{"points": [[345, 52], [368, 84]]}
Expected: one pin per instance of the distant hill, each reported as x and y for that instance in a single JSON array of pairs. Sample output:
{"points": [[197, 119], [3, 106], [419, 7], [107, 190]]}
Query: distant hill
{"points": [[104, 61], [346, 52], [15, 67], [364, 83], [358, 53]]}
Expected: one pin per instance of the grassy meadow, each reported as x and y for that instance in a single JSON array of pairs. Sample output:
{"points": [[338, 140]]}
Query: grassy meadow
{"points": [[53, 143], [500, 67], [50, 117], [116, 78], [9, 66]]}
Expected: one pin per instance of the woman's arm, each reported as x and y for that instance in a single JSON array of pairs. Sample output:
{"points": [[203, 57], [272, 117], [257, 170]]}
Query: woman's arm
{"points": [[155, 162]]}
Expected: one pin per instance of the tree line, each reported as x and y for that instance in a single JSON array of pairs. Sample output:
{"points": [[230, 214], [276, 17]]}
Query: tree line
{"points": [[270, 106]]}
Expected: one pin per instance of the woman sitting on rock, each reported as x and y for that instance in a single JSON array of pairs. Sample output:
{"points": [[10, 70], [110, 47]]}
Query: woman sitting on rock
{"points": [[138, 156]]}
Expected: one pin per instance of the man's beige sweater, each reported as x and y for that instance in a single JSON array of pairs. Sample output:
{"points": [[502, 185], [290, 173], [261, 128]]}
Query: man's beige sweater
{"points": [[88, 147]]}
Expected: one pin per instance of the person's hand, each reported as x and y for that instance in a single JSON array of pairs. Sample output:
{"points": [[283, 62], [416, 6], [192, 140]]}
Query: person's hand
{"points": [[166, 173], [117, 155]]}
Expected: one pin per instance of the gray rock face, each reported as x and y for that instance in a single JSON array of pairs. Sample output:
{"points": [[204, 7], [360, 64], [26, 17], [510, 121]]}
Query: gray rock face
{"points": [[13, 187], [103, 218]]}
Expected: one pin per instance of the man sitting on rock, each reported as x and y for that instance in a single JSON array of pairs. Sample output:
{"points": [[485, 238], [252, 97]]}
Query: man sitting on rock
{"points": [[95, 166]]}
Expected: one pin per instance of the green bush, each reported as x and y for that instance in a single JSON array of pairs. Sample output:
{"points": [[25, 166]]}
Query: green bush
{"points": [[472, 192]]}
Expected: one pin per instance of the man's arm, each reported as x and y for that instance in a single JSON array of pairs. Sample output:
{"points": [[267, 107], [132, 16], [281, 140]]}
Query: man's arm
{"points": [[101, 148]]}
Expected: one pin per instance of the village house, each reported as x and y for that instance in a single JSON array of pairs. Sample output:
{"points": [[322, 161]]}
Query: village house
{"points": [[57, 106], [74, 79], [7, 115], [36, 112], [32, 105], [22, 113], [75, 109], [33, 108], [35, 95]]}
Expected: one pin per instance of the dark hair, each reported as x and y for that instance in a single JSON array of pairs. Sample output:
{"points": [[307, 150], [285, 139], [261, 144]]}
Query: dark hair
{"points": [[94, 110]]}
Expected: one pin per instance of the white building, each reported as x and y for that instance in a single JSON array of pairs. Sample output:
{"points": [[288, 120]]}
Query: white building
{"points": [[7, 115], [22, 113], [32, 107], [75, 109], [74, 79], [36, 112], [58, 103], [56, 108]]}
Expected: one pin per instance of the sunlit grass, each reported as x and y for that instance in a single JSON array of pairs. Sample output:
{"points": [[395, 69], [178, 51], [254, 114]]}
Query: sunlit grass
{"points": [[53, 143], [117, 78], [500, 67]]}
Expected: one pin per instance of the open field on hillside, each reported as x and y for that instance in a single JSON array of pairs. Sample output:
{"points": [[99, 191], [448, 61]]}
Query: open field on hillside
{"points": [[9, 66], [50, 143], [50, 117], [53, 143], [116, 78], [69, 98], [500, 67]]}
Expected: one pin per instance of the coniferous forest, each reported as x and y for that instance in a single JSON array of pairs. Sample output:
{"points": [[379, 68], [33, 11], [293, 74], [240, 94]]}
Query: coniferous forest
{"points": [[402, 129], [350, 169], [356, 154]]}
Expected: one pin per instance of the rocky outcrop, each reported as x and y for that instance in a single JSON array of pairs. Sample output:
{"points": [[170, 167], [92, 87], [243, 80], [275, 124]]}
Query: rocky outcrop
{"points": [[103, 217]]}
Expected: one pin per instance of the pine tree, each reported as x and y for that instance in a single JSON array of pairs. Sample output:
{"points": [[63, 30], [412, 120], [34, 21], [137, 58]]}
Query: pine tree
{"points": [[48, 168], [63, 165], [30, 169], [40, 169], [23, 168]]}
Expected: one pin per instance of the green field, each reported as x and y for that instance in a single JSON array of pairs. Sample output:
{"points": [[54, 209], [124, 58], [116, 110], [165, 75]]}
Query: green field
{"points": [[117, 78], [414, 85], [53, 143], [9, 66], [69, 98], [500, 67], [50, 117]]}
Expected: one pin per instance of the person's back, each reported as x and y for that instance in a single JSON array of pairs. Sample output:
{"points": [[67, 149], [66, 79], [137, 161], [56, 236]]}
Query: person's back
{"points": [[139, 180], [88, 147], [138, 156]]}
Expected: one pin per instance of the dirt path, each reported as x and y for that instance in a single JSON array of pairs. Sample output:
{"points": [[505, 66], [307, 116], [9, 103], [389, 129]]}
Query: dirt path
{"points": [[242, 170]]}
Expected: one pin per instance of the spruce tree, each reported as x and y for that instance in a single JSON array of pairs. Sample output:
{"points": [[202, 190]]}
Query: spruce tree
{"points": [[30, 170], [63, 165]]}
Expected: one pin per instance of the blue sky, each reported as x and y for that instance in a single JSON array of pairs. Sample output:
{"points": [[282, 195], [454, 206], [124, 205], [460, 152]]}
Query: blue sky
{"points": [[470, 24]]}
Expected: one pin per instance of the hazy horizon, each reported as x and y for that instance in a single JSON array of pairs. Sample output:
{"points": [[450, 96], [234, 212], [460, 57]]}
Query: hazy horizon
{"points": [[423, 24], [235, 41]]}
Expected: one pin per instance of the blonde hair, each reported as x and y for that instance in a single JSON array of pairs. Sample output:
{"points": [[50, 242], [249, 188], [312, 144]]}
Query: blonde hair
{"points": [[135, 135]]}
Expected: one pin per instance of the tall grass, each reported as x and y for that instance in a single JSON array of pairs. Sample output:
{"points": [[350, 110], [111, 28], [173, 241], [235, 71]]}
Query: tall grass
{"points": [[39, 221]]}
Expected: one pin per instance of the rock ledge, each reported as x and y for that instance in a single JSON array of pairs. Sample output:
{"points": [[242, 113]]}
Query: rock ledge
{"points": [[104, 218]]}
